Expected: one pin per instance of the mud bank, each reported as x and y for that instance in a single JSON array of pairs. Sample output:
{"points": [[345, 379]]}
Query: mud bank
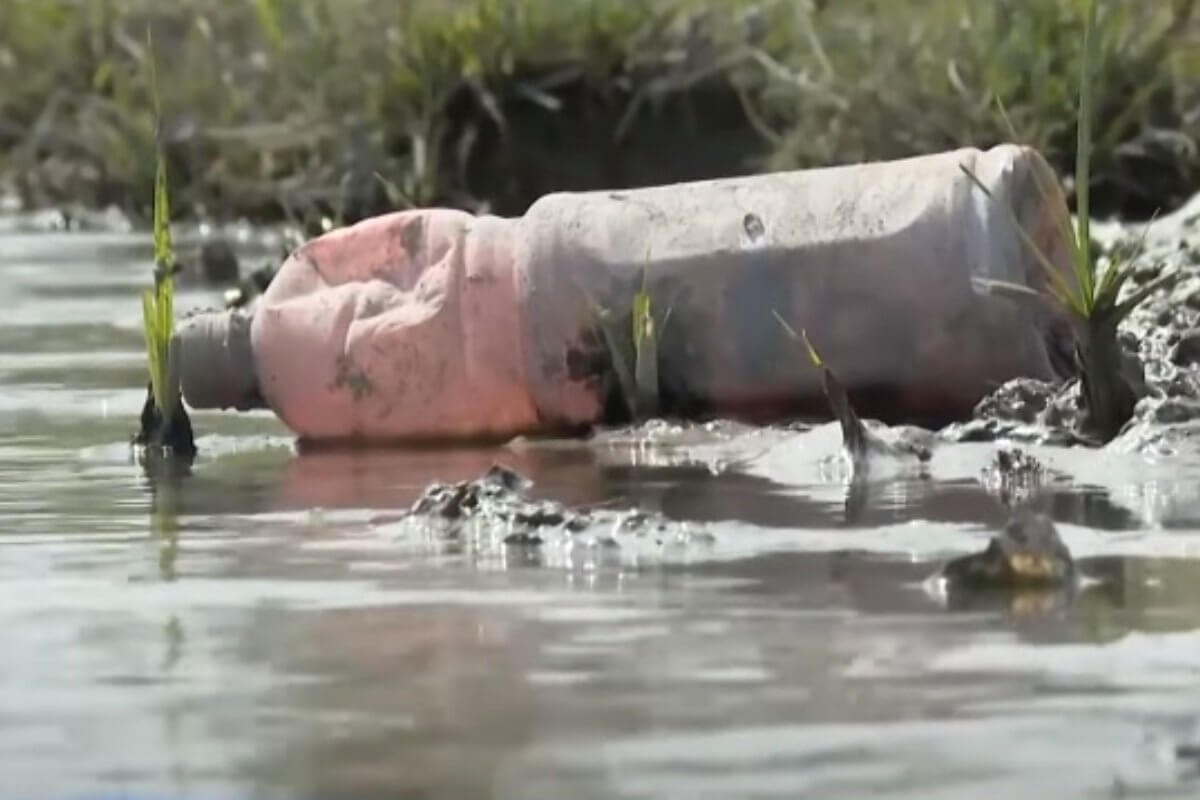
{"points": [[1161, 340]]}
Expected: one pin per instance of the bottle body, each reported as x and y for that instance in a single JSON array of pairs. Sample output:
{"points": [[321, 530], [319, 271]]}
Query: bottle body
{"points": [[436, 324], [875, 262]]}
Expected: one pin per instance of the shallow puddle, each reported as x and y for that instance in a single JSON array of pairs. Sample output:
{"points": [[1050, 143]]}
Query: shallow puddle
{"points": [[267, 626]]}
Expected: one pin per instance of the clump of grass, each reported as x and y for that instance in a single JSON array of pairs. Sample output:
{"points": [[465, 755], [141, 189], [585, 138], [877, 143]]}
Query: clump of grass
{"points": [[1094, 296], [634, 360], [164, 419], [158, 318], [647, 334]]}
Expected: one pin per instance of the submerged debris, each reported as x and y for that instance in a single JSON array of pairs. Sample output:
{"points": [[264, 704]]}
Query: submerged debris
{"points": [[1028, 552], [498, 503]]}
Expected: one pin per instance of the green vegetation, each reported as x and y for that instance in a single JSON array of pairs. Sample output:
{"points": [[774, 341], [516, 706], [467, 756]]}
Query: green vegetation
{"points": [[348, 107], [854, 434], [634, 360], [165, 429], [158, 318], [647, 333], [1094, 296]]}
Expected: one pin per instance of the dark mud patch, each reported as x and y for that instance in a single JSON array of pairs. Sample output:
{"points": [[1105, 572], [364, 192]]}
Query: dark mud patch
{"points": [[171, 435]]}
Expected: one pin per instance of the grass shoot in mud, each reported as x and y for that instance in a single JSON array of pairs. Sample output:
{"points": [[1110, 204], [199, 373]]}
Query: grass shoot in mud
{"points": [[164, 420], [1093, 297], [634, 361], [855, 438]]}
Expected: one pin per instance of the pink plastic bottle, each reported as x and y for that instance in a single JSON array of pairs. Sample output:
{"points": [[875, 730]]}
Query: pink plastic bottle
{"points": [[437, 324]]}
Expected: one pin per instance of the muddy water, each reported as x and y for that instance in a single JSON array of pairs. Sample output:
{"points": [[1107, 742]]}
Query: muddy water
{"points": [[265, 627]]}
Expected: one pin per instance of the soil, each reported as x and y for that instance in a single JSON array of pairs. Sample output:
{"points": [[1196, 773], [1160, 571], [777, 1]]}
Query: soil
{"points": [[173, 435]]}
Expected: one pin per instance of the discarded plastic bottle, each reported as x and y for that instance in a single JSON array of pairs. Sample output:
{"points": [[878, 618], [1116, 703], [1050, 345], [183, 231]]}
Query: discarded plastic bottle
{"points": [[435, 324]]}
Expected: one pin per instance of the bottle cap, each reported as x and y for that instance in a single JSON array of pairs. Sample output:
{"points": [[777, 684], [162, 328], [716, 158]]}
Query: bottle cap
{"points": [[214, 362]]}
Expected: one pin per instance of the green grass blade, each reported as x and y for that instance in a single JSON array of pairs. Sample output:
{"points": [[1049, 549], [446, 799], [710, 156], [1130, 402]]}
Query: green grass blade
{"points": [[267, 12], [158, 312], [620, 365], [163, 250], [1111, 284], [1062, 291], [1083, 157], [645, 353], [155, 361], [642, 321], [1063, 220], [155, 97], [1007, 120], [1122, 310], [790, 331], [813, 356], [1005, 288], [1108, 291]]}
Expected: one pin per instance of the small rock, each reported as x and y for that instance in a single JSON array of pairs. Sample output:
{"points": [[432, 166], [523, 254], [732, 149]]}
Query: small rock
{"points": [[1186, 290], [1168, 410], [1181, 385], [1187, 350], [1028, 552]]}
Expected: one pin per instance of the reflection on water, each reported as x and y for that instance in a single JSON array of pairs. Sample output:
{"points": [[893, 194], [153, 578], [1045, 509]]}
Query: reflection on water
{"points": [[259, 624]]}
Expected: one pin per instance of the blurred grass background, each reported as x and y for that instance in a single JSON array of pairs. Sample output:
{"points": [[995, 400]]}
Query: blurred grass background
{"points": [[350, 107]]}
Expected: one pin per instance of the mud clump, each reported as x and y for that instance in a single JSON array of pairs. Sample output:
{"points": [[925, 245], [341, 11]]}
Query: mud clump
{"points": [[171, 435], [1013, 475], [1025, 410], [1027, 553], [1020, 400], [498, 498], [1040, 412], [499, 502]]}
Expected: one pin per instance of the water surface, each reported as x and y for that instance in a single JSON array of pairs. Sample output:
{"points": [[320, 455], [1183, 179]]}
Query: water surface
{"points": [[265, 626]]}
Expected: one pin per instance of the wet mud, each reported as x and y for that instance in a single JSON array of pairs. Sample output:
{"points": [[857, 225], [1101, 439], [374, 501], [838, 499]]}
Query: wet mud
{"points": [[169, 436], [498, 505]]}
